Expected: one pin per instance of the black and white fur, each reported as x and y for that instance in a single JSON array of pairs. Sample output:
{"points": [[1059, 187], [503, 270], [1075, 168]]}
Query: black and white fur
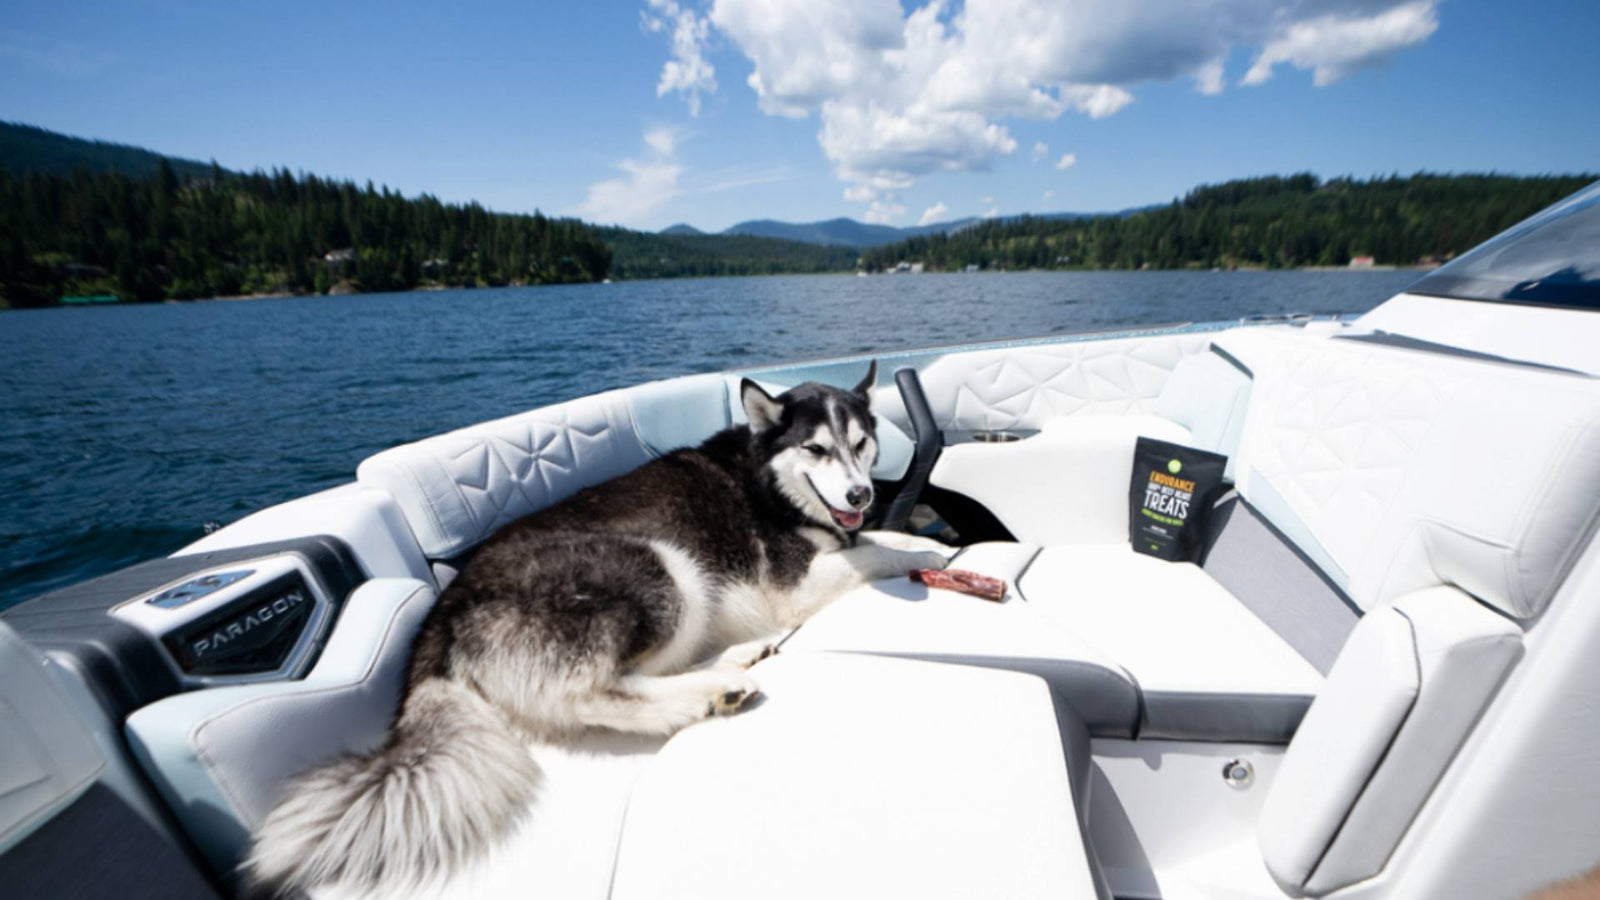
{"points": [[599, 612]]}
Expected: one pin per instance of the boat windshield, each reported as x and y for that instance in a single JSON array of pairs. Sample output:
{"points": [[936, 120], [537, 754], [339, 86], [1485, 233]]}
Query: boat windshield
{"points": [[1551, 259]]}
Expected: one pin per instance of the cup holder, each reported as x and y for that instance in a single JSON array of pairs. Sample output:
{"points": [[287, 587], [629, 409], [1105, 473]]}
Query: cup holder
{"points": [[996, 437]]}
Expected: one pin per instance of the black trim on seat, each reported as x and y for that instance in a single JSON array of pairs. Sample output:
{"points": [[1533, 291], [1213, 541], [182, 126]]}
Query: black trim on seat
{"points": [[925, 432], [1233, 361], [1402, 342]]}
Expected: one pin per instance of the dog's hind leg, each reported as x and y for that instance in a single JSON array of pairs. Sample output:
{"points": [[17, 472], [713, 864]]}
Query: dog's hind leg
{"points": [[662, 704]]}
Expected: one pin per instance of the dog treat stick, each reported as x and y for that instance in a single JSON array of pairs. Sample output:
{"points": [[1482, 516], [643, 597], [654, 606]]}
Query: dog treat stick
{"points": [[961, 581]]}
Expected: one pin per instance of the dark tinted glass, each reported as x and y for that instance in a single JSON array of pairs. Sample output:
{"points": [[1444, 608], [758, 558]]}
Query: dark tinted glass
{"points": [[1552, 259]]}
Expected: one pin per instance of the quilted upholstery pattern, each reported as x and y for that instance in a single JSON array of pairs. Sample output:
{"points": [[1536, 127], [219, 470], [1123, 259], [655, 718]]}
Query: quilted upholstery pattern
{"points": [[1021, 387], [1411, 469], [458, 488]]}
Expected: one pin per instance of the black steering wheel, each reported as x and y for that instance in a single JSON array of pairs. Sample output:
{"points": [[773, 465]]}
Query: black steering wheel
{"points": [[928, 443]]}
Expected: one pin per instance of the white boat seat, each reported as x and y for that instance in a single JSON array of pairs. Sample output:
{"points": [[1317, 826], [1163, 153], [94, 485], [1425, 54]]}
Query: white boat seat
{"points": [[219, 756], [896, 617], [1138, 646], [458, 488], [1408, 687], [1205, 666], [867, 777], [1396, 470]]}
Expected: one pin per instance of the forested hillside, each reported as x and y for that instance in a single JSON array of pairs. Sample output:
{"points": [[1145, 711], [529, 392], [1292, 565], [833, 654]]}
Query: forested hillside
{"points": [[26, 148], [88, 218], [637, 254], [1274, 222], [157, 238]]}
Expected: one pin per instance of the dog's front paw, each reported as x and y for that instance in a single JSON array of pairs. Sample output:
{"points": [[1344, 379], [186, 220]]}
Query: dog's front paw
{"points": [[732, 695], [743, 656]]}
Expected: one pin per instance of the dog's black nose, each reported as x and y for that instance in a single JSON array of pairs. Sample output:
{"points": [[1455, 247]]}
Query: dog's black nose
{"points": [[858, 497]]}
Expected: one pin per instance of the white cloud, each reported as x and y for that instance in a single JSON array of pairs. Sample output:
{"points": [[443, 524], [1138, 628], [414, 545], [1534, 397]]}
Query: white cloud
{"points": [[988, 200], [1067, 161], [1095, 100], [688, 72], [990, 213], [1040, 150], [662, 140], [1209, 78], [1334, 46], [902, 94], [1049, 193], [933, 214], [647, 184]]}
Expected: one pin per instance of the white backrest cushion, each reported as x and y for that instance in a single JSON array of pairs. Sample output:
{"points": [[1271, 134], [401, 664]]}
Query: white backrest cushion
{"points": [[1397, 470], [1024, 385], [1208, 395], [678, 412], [456, 489], [1408, 686]]}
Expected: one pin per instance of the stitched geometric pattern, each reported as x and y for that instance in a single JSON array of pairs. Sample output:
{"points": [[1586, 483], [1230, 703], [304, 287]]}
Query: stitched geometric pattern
{"points": [[1400, 470], [1340, 441], [1021, 387], [456, 489]]}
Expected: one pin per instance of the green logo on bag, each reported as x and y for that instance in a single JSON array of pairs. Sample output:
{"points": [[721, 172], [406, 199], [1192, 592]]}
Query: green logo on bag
{"points": [[1174, 466]]}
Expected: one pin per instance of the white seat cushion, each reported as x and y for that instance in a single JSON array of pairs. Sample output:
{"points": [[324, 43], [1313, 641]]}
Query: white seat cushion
{"points": [[1068, 484], [1407, 688], [862, 777], [1205, 666], [1398, 470], [896, 617]]}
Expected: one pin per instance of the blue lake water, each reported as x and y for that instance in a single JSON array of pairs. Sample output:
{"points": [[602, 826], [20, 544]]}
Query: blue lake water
{"points": [[124, 431]]}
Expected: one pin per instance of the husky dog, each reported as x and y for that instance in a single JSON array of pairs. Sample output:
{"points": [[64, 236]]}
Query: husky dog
{"points": [[599, 612]]}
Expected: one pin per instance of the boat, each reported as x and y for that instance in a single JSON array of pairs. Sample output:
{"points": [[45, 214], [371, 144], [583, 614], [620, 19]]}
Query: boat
{"points": [[1374, 678]]}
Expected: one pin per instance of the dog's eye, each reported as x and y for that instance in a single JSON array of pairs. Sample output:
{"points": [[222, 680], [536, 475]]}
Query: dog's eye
{"points": [[815, 450], [860, 446]]}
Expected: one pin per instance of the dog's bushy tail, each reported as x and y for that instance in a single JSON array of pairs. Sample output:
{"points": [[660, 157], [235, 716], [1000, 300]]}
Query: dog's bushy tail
{"points": [[452, 778]]}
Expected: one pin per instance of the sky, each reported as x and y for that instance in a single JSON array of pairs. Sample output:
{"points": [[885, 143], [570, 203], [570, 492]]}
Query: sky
{"points": [[650, 112]]}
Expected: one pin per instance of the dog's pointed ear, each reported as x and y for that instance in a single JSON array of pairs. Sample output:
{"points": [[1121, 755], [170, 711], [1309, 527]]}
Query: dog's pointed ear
{"points": [[760, 407], [865, 387]]}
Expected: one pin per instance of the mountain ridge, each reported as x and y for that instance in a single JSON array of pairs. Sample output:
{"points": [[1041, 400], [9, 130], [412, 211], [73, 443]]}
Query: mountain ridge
{"points": [[846, 232]]}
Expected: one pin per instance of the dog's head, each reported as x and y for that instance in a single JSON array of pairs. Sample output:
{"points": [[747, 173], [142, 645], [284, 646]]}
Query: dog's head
{"points": [[819, 443]]}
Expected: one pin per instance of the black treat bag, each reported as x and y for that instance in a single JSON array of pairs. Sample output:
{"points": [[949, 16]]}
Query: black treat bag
{"points": [[1173, 487]]}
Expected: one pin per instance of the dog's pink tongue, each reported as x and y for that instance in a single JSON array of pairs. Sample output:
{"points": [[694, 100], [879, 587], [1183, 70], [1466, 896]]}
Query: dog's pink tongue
{"points": [[848, 519]]}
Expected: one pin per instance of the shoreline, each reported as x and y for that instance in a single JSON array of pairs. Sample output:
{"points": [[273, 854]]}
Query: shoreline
{"points": [[433, 288]]}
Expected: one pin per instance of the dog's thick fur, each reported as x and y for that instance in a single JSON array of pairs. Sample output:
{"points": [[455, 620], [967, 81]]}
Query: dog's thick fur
{"points": [[593, 614]]}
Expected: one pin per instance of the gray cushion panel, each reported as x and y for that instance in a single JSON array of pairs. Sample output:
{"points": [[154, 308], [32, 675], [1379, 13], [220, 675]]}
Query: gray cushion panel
{"points": [[1245, 718], [1279, 585]]}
